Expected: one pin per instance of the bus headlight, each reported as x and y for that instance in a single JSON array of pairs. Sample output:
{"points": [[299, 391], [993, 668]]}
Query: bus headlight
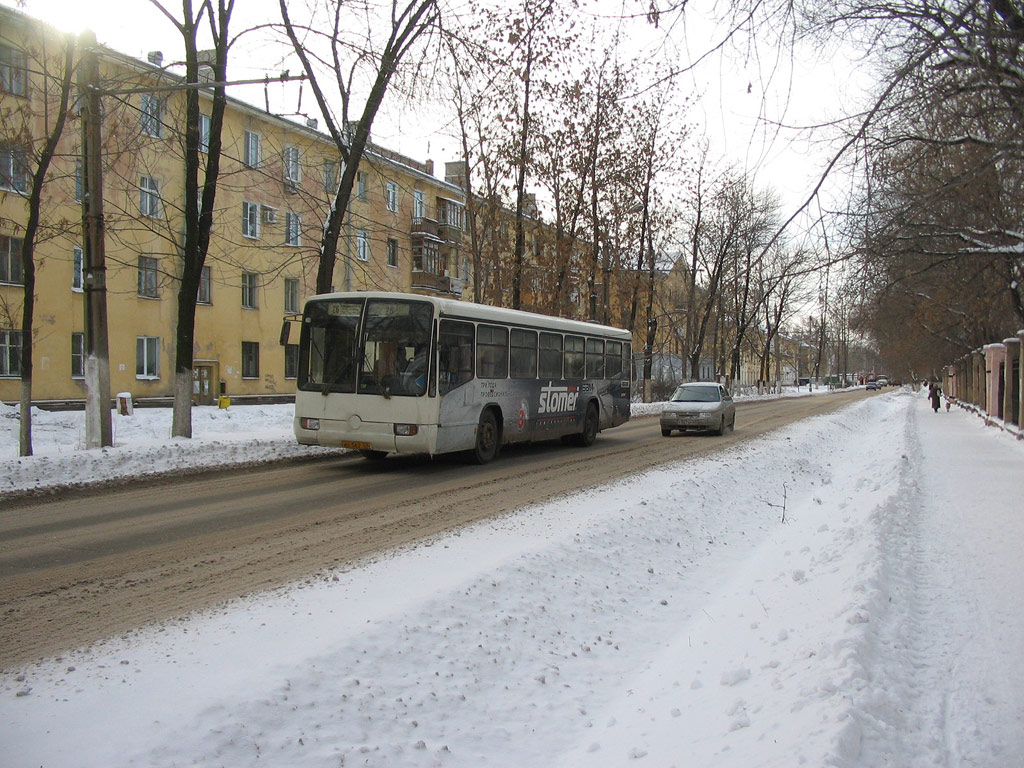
{"points": [[309, 423], [406, 430]]}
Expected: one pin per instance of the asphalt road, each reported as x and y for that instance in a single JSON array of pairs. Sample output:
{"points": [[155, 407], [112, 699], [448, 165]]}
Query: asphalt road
{"points": [[83, 566]]}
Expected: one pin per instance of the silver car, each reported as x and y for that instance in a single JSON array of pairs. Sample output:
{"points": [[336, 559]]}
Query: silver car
{"points": [[699, 405]]}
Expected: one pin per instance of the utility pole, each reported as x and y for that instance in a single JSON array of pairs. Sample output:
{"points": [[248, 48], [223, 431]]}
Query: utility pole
{"points": [[98, 432]]}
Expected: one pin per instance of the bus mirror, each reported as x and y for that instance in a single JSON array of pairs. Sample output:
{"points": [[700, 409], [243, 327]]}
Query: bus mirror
{"points": [[285, 328]]}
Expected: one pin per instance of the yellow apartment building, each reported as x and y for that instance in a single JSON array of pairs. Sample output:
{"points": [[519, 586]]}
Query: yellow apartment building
{"points": [[404, 231]]}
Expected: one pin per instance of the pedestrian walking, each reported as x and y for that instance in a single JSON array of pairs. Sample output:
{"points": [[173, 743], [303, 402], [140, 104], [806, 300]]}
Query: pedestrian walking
{"points": [[933, 394]]}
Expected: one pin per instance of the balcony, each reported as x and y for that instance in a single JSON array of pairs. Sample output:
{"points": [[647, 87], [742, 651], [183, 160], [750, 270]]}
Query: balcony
{"points": [[437, 284], [424, 227]]}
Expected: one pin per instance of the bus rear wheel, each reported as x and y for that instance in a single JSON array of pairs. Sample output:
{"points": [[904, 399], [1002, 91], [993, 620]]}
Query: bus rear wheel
{"points": [[591, 424], [486, 448]]}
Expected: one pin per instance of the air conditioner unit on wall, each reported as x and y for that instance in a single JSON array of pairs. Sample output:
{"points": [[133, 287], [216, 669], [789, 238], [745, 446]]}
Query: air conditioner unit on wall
{"points": [[269, 215]]}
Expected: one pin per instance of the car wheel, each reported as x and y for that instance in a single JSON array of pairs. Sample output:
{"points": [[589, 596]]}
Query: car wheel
{"points": [[486, 448], [732, 424], [666, 432], [721, 427], [591, 422]]}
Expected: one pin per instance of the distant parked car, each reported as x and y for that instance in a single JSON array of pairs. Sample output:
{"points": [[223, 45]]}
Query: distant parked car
{"points": [[872, 385], [699, 405]]}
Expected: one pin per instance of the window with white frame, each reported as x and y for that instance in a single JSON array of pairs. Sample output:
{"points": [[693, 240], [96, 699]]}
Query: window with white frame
{"points": [[361, 186], [149, 115], [291, 361], [77, 355], [392, 252], [419, 204], [292, 229], [205, 121], [426, 257], [10, 261], [292, 166], [330, 170], [451, 214], [362, 245], [13, 71], [291, 295], [205, 293], [147, 357], [149, 197], [10, 353], [250, 359], [251, 220], [252, 151], [77, 268], [13, 168], [391, 196], [149, 277], [250, 290]]}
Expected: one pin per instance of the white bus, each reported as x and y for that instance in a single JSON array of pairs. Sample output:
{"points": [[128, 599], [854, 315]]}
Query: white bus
{"points": [[397, 373]]}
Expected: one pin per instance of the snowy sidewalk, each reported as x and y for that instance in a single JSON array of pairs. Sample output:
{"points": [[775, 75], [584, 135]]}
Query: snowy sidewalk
{"points": [[668, 619]]}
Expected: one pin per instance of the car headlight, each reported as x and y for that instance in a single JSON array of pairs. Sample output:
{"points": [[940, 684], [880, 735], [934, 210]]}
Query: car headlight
{"points": [[406, 430], [307, 423]]}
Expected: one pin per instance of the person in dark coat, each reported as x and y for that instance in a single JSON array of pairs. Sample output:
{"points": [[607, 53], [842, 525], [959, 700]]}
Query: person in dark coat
{"points": [[933, 394]]}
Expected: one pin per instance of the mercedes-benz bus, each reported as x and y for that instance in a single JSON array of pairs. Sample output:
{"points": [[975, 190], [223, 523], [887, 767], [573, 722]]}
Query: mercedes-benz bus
{"points": [[388, 373]]}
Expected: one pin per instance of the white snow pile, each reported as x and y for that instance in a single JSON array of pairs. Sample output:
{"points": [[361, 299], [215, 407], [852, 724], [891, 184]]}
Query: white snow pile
{"points": [[842, 592]]}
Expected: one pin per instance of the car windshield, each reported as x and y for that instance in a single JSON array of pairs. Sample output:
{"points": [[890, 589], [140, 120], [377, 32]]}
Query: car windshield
{"points": [[687, 394]]}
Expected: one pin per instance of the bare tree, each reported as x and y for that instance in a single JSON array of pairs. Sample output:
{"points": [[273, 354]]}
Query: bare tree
{"points": [[333, 59], [29, 154]]}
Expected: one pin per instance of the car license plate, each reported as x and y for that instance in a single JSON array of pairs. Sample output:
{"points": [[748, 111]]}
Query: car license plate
{"points": [[355, 445]]}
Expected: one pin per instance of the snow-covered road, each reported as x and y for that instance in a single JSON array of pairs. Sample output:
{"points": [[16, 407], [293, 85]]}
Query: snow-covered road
{"points": [[670, 619]]}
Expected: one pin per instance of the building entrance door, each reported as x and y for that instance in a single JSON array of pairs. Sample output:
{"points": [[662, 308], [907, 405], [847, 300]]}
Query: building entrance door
{"points": [[203, 377]]}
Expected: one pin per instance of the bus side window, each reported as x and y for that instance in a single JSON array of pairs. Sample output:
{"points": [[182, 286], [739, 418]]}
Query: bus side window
{"points": [[455, 352], [574, 365], [491, 352], [595, 359], [524, 354], [613, 359], [551, 356]]}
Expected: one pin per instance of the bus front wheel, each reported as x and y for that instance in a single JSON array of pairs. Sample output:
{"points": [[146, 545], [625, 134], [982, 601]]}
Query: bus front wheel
{"points": [[486, 448]]}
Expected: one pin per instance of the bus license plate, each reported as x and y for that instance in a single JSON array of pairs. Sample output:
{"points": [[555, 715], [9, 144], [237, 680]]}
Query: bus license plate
{"points": [[355, 446]]}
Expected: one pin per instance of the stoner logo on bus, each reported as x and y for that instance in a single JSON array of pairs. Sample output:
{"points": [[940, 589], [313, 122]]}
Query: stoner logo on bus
{"points": [[557, 399]]}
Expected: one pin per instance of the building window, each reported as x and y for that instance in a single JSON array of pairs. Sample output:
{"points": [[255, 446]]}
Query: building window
{"points": [[149, 277], [291, 295], [13, 71], [79, 181], [204, 133], [426, 257], [361, 186], [253, 151], [291, 361], [451, 214], [330, 177], [10, 261], [205, 293], [250, 359], [391, 196], [77, 355], [293, 229], [362, 245], [250, 286], [147, 357], [13, 168], [392, 252], [149, 115], [419, 205], [292, 167], [251, 220], [10, 353], [149, 197], [77, 268]]}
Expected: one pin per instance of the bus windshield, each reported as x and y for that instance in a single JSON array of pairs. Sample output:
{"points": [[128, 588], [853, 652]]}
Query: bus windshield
{"points": [[370, 347]]}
